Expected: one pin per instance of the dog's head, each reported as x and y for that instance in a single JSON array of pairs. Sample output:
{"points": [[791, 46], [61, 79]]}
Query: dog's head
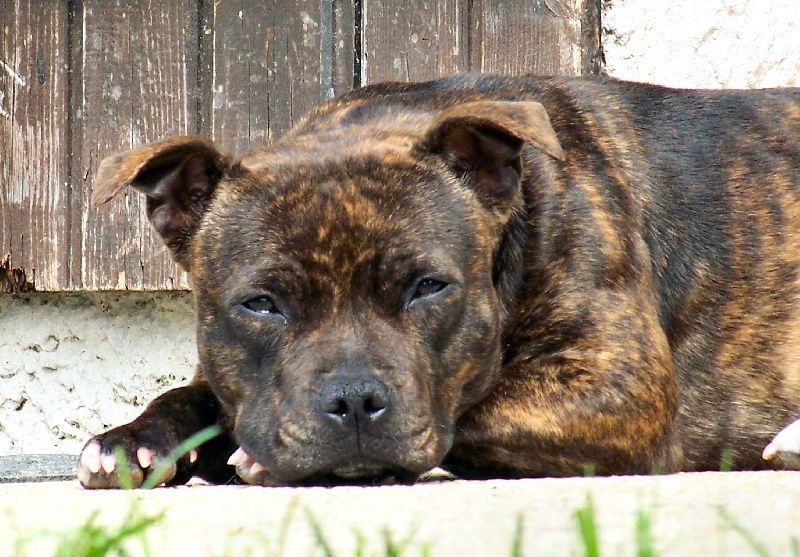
{"points": [[346, 279]]}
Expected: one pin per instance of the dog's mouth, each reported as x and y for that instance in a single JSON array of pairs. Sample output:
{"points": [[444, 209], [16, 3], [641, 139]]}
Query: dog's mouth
{"points": [[362, 472]]}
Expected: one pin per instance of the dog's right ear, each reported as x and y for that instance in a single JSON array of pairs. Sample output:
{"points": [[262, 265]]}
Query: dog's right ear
{"points": [[178, 176]]}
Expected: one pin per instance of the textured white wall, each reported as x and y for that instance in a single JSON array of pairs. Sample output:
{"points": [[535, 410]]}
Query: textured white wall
{"points": [[73, 365], [703, 43]]}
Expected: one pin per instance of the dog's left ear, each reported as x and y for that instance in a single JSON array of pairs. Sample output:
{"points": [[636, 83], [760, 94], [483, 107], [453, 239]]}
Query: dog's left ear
{"points": [[178, 176], [482, 141]]}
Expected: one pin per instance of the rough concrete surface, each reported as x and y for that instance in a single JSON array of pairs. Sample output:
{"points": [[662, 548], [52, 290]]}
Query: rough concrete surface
{"points": [[460, 518], [709, 43], [72, 365]]}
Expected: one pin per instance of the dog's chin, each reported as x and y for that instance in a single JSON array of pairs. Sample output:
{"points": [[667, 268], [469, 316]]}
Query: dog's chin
{"points": [[360, 474], [353, 472]]}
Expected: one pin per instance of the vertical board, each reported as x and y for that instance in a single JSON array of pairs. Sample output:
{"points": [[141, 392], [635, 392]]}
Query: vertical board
{"points": [[273, 62], [412, 40], [514, 37], [34, 197], [83, 79], [343, 48], [138, 71]]}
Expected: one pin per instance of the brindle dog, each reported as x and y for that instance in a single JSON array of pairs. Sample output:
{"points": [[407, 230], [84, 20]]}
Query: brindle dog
{"points": [[504, 277]]}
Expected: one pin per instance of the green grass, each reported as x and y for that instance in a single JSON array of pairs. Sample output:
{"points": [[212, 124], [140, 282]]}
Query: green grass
{"points": [[390, 546], [94, 539], [587, 528], [643, 534], [756, 545], [516, 540]]}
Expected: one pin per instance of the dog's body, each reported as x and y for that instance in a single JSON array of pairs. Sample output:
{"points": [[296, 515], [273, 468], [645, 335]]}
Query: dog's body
{"points": [[437, 274]]}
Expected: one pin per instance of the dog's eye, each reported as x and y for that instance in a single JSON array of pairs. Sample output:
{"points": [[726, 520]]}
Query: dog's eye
{"points": [[261, 304], [428, 287]]}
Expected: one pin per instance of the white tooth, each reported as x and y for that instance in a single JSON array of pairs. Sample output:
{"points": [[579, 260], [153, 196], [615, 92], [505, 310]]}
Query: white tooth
{"points": [[192, 456], [238, 457], [256, 468]]}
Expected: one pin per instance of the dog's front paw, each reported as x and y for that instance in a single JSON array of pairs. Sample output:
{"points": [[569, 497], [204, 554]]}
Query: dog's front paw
{"points": [[785, 445], [145, 452]]}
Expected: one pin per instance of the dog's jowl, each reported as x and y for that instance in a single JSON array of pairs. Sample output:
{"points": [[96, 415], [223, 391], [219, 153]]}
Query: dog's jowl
{"points": [[501, 277]]}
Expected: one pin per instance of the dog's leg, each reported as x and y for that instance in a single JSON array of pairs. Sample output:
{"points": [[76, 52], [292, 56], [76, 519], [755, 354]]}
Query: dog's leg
{"points": [[592, 393], [167, 421]]}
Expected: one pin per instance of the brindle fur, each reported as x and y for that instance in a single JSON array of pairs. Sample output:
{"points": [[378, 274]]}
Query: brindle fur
{"points": [[632, 304]]}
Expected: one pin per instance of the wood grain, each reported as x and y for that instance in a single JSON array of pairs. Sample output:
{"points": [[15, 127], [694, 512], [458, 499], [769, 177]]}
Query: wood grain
{"points": [[273, 62], [414, 41], [138, 71], [514, 37], [34, 197], [82, 79]]}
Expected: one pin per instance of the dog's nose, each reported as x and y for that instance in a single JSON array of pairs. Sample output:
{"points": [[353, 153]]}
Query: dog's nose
{"points": [[354, 401]]}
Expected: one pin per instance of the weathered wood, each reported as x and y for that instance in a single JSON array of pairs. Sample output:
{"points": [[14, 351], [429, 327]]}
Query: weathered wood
{"points": [[343, 48], [138, 73], [513, 37], [413, 41], [80, 80], [34, 197], [273, 62]]}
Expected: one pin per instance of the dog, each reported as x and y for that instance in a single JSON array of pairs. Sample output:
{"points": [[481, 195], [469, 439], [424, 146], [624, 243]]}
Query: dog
{"points": [[502, 277]]}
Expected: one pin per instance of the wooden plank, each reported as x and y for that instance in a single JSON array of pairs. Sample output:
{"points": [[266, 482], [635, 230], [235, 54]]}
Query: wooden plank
{"points": [[271, 65], [33, 142], [414, 40], [138, 68], [343, 48], [514, 37]]}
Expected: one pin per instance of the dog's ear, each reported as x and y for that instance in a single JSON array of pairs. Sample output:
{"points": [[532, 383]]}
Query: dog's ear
{"points": [[178, 176], [482, 142]]}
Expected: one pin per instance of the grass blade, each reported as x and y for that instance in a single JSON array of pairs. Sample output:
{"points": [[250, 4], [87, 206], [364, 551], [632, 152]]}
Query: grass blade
{"points": [[726, 463], [95, 540], [587, 528], [516, 541], [319, 535], [123, 469], [644, 534], [756, 545], [153, 479]]}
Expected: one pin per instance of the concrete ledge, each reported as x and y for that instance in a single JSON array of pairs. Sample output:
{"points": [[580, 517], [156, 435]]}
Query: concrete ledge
{"points": [[460, 518], [37, 468]]}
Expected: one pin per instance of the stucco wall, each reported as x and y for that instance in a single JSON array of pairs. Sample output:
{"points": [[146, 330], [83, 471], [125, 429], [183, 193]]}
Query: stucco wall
{"points": [[76, 364], [72, 365], [703, 43]]}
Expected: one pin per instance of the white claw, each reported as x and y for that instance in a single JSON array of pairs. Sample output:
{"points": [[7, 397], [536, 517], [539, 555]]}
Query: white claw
{"points": [[787, 441], [90, 458], [108, 462], [144, 456]]}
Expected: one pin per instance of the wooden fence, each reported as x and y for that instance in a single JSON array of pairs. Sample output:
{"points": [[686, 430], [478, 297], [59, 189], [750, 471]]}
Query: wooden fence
{"points": [[80, 79]]}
